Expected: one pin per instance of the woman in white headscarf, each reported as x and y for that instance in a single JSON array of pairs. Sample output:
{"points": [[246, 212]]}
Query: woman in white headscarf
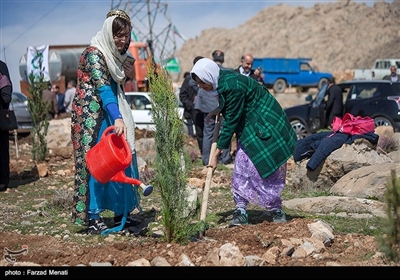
{"points": [[99, 102]]}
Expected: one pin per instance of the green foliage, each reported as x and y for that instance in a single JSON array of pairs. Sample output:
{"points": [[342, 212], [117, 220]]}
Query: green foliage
{"points": [[390, 242], [38, 109], [372, 226], [170, 161]]}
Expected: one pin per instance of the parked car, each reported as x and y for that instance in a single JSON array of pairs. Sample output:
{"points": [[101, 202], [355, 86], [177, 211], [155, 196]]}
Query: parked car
{"points": [[19, 104], [378, 99], [141, 110]]}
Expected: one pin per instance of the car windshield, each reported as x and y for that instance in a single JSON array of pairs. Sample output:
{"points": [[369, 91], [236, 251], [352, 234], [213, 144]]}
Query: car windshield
{"points": [[18, 97], [320, 95], [137, 102]]}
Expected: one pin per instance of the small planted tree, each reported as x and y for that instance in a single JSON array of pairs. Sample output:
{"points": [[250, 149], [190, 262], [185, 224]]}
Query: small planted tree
{"points": [[38, 109], [390, 242], [170, 161]]}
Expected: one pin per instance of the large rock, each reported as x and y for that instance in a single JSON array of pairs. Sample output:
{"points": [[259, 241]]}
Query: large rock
{"points": [[59, 133], [332, 205], [366, 182], [336, 165]]}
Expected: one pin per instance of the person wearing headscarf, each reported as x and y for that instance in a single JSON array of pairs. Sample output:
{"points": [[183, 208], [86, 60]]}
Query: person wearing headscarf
{"points": [[99, 102], [6, 90], [265, 138]]}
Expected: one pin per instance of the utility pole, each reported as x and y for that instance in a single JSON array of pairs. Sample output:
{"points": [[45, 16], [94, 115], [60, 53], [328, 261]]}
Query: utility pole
{"points": [[152, 24]]}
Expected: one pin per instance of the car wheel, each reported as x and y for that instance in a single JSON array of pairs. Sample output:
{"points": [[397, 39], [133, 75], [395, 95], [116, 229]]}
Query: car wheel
{"points": [[300, 129], [322, 82], [279, 86], [381, 121]]}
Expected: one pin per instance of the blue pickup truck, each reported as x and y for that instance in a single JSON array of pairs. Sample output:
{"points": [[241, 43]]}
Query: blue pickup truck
{"points": [[280, 73]]}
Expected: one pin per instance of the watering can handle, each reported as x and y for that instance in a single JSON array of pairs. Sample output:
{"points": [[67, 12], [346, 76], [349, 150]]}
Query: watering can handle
{"points": [[107, 130]]}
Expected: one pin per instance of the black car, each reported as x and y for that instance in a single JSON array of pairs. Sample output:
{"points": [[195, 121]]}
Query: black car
{"points": [[20, 106], [378, 99]]}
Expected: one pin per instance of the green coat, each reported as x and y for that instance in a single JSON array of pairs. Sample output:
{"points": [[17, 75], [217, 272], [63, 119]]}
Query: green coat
{"points": [[258, 120]]}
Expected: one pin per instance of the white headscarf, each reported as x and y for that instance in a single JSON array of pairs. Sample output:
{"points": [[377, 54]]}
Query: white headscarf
{"points": [[104, 41], [207, 71]]}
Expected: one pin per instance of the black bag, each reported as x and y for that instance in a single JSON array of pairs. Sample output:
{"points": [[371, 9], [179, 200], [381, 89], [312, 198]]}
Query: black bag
{"points": [[8, 121]]}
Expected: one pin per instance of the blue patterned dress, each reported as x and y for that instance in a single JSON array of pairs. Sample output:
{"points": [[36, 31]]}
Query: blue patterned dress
{"points": [[88, 121]]}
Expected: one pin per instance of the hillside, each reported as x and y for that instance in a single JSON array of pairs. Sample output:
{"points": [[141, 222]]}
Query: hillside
{"points": [[338, 36]]}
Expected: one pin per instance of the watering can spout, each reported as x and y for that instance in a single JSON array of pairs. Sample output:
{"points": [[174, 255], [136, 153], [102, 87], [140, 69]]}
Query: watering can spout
{"points": [[122, 178]]}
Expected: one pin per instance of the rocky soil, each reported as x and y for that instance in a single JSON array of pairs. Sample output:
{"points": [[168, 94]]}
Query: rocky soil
{"points": [[339, 36], [269, 241]]}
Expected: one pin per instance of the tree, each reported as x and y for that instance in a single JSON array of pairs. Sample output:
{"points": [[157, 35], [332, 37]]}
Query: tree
{"points": [[38, 109], [171, 161], [390, 242]]}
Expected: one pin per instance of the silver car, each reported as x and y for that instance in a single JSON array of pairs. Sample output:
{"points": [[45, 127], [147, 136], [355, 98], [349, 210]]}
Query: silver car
{"points": [[19, 104]]}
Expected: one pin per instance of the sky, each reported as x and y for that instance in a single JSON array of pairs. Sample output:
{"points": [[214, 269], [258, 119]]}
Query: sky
{"points": [[25, 23]]}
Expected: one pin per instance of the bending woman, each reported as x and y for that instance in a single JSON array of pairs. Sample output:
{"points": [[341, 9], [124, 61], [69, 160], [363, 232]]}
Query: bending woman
{"points": [[265, 137]]}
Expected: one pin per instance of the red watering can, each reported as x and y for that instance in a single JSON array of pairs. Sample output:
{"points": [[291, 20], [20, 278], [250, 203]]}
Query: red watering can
{"points": [[109, 158]]}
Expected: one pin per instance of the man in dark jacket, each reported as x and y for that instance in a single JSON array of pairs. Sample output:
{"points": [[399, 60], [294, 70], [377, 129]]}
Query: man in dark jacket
{"points": [[187, 95], [49, 97], [394, 77], [219, 58], [60, 98], [246, 69], [334, 105]]}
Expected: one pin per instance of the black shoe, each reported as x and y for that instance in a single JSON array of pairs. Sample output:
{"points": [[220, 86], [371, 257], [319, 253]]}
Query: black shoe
{"points": [[238, 219], [96, 226], [130, 221], [3, 187], [278, 216]]}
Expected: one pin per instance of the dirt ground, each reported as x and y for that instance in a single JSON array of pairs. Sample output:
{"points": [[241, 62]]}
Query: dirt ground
{"points": [[253, 239]]}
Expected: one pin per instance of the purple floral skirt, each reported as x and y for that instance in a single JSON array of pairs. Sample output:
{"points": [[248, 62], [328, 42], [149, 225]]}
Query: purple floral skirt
{"points": [[249, 187]]}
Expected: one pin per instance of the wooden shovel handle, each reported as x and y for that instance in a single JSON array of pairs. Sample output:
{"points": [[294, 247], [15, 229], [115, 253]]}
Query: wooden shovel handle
{"points": [[210, 170]]}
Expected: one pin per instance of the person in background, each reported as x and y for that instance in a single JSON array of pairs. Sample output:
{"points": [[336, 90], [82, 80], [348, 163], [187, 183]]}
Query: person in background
{"points": [[266, 139], [209, 125], [99, 103], [207, 101], [188, 97], [69, 95], [394, 77], [6, 90], [219, 58], [186, 113], [60, 98], [246, 68], [50, 97], [334, 105]]}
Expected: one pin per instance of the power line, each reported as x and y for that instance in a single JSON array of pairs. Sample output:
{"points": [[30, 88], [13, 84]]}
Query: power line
{"points": [[32, 25]]}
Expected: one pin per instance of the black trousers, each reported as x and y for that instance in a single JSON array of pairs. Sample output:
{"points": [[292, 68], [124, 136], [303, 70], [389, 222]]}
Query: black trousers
{"points": [[208, 135], [198, 120], [4, 157]]}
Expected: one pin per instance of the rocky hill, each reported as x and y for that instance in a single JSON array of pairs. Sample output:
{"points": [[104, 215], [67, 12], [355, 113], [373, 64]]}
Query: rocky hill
{"points": [[339, 36]]}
